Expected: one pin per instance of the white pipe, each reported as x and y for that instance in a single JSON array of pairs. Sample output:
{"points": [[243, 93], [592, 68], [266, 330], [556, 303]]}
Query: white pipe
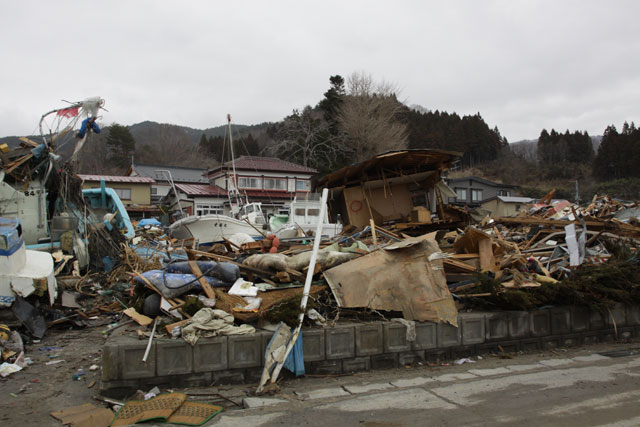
{"points": [[153, 332], [307, 287]]}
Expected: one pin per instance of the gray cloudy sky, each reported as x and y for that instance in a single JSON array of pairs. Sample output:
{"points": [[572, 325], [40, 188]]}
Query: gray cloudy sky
{"points": [[524, 65]]}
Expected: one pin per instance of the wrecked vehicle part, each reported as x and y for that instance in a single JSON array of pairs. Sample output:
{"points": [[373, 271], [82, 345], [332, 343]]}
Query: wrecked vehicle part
{"points": [[400, 277]]}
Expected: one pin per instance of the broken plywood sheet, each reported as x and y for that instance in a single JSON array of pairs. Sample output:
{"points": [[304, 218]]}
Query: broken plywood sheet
{"points": [[86, 415], [399, 277]]}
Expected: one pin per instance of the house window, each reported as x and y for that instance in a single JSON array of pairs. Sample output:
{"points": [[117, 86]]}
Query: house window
{"points": [[461, 193], [123, 193], [275, 184], [303, 185], [476, 195], [154, 190], [505, 193], [208, 208], [249, 182]]}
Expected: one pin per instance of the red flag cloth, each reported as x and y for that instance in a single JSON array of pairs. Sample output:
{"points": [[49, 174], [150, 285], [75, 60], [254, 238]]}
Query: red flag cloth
{"points": [[68, 112]]}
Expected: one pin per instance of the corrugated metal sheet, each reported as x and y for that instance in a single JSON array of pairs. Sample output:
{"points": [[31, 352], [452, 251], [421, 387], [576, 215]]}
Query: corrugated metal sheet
{"points": [[118, 178]]}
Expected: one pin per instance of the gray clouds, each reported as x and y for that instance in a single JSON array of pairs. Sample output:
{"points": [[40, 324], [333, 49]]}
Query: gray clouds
{"points": [[524, 65]]}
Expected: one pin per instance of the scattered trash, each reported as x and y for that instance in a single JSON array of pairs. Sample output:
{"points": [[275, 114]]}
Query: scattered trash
{"points": [[79, 374], [7, 369]]}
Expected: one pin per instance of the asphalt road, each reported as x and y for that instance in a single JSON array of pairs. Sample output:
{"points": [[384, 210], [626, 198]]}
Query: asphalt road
{"points": [[581, 388]]}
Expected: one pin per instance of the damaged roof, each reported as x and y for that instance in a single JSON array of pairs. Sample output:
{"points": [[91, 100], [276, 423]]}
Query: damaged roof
{"points": [[178, 174], [399, 161], [118, 178], [201, 190]]}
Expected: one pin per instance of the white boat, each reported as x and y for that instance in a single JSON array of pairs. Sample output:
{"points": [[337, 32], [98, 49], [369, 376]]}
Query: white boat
{"points": [[211, 228], [303, 220], [207, 229]]}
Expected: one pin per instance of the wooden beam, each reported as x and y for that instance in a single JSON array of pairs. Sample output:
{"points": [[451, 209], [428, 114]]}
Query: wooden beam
{"points": [[206, 287]]}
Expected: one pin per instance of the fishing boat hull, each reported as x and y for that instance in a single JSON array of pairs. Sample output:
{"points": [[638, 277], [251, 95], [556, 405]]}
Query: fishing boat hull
{"points": [[208, 229]]}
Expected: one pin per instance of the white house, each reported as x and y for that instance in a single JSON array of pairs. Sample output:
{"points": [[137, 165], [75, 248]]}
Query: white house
{"points": [[271, 181]]}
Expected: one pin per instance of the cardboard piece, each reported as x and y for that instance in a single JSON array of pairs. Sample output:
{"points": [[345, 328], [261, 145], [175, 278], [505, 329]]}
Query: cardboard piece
{"points": [[87, 415], [400, 277]]}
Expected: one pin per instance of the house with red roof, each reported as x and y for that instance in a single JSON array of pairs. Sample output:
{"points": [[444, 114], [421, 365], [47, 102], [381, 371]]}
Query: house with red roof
{"points": [[269, 180]]}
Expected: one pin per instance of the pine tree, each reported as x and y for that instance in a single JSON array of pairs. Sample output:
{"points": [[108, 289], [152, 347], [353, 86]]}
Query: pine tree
{"points": [[121, 145]]}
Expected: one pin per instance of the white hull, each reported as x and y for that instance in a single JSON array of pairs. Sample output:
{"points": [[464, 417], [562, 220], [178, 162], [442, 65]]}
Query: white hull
{"points": [[211, 228]]}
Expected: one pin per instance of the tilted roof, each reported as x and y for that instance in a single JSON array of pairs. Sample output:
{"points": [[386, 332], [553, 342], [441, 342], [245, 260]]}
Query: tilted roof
{"points": [[400, 162], [178, 174], [201, 190]]}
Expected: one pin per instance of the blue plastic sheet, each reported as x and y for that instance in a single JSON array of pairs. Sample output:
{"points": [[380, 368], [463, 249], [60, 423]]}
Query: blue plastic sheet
{"points": [[149, 221], [295, 359], [172, 285], [224, 271]]}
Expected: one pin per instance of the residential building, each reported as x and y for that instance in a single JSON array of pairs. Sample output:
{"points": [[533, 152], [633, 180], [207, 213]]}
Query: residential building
{"points": [[162, 175], [268, 180], [132, 190], [197, 199], [472, 191], [501, 206]]}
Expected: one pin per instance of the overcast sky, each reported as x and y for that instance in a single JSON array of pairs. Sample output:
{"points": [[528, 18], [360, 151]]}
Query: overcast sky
{"points": [[524, 65]]}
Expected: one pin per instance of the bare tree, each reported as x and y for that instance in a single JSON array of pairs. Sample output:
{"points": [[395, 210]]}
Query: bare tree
{"points": [[305, 137], [368, 118]]}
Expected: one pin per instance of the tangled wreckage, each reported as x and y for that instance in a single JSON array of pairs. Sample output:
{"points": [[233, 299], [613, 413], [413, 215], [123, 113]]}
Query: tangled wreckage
{"points": [[402, 253]]}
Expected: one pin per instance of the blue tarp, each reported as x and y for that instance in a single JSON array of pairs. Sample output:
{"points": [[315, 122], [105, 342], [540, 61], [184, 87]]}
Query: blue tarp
{"points": [[295, 360], [149, 221]]}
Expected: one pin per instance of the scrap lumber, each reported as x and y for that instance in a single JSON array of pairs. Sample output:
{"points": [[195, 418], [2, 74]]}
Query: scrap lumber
{"points": [[593, 224], [206, 287], [459, 265]]}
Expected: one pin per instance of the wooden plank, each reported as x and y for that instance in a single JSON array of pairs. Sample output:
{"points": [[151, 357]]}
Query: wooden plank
{"points": [[17, 163], [487, 262], [458, 264], [206, 287], [373, 232], [141, 319], [28, 141]]}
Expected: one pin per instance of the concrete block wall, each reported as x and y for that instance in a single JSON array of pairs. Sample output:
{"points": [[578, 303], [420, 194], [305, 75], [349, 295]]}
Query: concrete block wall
{"points": [[354, 347]]}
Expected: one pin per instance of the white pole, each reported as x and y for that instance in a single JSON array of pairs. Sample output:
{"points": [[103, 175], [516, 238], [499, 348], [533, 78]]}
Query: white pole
{"points": [[307, 287]]}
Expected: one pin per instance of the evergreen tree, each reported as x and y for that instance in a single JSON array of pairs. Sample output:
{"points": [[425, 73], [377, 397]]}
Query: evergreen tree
{"points": [[333, 99], [247, 145], [121, 145]]}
